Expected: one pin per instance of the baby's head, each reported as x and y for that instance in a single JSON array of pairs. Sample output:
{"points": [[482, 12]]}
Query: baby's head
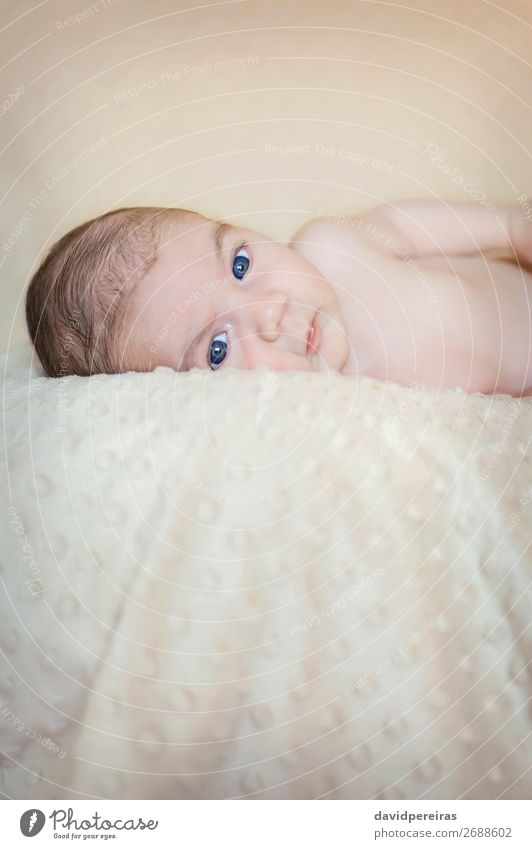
{"points": [[79, 299], [144, 287]]}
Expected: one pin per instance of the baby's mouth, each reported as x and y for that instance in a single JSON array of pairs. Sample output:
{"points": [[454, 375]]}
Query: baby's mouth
{"points": [[314, 337]]}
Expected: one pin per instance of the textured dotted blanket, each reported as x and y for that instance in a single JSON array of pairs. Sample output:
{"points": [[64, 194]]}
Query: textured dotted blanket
{"points": [[263, 585]]}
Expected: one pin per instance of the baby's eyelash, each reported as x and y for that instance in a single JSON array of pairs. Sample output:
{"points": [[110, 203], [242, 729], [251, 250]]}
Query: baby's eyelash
{"points": [[239, 248]]}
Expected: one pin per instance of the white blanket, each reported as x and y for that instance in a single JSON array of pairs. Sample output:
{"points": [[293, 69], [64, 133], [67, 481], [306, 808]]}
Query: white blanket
{"points": [[265, 585]]}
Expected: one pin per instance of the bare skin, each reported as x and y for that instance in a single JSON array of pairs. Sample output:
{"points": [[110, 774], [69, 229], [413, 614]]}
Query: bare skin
{"points": [[409, 292], [427, 295]]}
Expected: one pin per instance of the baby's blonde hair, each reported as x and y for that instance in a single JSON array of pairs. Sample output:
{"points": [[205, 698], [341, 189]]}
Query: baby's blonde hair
{"points": [[79, 299]]}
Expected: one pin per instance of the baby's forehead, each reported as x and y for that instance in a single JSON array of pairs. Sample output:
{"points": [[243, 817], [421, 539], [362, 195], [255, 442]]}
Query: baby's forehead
{"points": [[186, 225], [188, 250], [194, 240]]}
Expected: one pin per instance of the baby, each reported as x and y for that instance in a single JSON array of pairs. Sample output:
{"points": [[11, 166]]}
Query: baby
{"points": [[422, 291]]}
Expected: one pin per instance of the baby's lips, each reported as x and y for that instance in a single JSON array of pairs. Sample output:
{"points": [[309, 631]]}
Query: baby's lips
{"points": [[314, 336]]}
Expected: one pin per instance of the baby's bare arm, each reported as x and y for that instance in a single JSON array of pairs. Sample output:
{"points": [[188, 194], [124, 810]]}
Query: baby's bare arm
{"points": [[423, 227], [497, 321], [433, 227]]}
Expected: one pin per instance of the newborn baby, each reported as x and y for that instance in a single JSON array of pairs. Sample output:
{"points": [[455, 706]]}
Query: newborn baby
{"points": [[415, 291]]}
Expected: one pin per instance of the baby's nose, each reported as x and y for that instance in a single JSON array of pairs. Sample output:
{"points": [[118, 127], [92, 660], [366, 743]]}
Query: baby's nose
{"points": [[270, 314]]}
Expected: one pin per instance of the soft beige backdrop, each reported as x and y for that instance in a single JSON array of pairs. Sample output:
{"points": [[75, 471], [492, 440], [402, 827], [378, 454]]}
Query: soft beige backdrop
{"points": [[260, 112]]}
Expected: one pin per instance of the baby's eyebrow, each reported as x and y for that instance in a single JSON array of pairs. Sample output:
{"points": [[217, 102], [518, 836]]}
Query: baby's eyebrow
{"points": [[219, 233]]}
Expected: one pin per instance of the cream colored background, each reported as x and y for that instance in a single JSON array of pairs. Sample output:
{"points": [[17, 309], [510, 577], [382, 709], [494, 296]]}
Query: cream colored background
{"points": [[373, 82]]}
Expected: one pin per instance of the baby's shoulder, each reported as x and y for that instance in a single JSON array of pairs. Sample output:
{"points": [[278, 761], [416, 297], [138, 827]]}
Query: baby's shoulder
{"points": [[336, 240], [322, 231]]}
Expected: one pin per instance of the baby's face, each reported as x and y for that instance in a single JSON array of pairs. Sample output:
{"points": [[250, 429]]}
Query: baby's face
{"points": [[221, 296]]}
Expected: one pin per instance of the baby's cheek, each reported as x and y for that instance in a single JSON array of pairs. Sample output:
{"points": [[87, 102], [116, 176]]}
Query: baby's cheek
{"points": [[337, 351]]}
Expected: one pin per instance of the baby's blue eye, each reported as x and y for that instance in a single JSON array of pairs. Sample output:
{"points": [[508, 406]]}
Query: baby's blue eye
{"points": [[240, 264], [218, 349]]}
